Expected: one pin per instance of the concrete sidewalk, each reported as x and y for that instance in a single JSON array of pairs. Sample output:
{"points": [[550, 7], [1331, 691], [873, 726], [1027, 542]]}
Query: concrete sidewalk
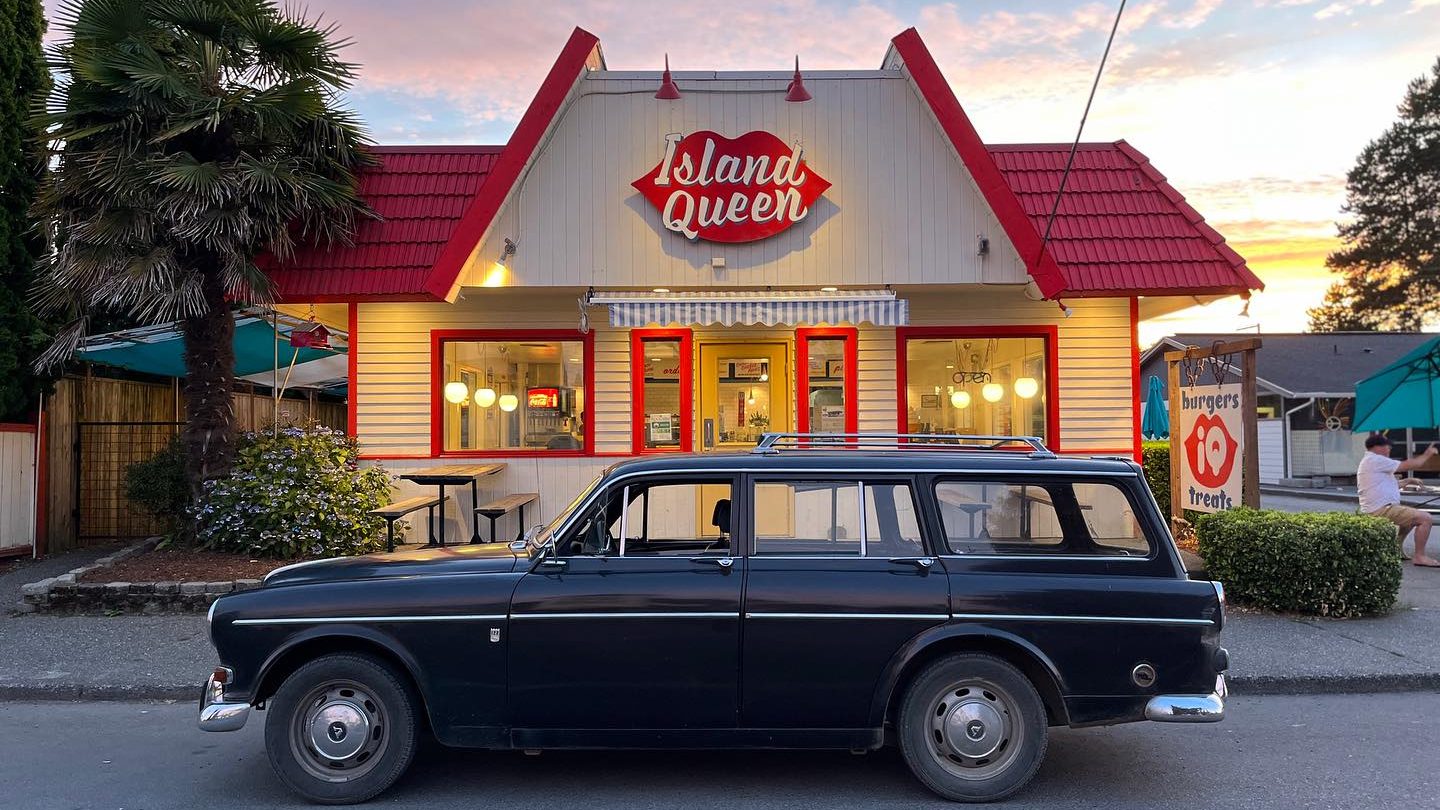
{"points": [[166, 657]]}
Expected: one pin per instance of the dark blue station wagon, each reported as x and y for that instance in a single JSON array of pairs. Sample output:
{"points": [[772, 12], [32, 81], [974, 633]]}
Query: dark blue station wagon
{"points": [[953, 596]]}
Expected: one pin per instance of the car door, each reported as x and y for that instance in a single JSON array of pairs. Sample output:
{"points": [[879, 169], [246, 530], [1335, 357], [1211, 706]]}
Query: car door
{"points": [[634, 621], [833, 591]]}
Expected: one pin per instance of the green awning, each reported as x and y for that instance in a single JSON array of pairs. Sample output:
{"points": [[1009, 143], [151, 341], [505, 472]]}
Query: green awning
{"points": [[160, 350]]}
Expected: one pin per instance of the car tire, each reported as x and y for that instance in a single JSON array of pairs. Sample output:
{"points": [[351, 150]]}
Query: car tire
{"points": [[342, 728], [972, 728]]}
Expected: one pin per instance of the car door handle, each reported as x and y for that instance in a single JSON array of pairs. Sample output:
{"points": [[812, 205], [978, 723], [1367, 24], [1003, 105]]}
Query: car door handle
{"points": [[554, 562], [923, 564], [725, 563]]}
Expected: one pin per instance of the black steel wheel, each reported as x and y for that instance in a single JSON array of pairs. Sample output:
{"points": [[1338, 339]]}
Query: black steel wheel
{"points": [[972, 727], [342, 728]]}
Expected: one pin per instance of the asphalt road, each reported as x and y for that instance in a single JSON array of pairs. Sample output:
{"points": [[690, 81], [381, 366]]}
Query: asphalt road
{"points": [[1284, 752]]}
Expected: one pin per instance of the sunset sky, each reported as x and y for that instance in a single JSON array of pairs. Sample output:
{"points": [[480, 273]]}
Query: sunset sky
{"points": [[1254, 109]]}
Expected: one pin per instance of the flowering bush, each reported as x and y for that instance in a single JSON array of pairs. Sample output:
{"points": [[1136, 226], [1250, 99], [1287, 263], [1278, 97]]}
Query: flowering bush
{"points": [[300, 492]]}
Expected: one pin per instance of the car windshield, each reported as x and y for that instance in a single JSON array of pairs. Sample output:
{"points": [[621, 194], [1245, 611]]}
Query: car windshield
{"points": [[539, 539]]}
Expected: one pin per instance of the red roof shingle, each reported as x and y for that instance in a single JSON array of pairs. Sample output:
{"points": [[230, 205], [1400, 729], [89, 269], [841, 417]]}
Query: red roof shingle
{"points": [[1120, 228], [420, 193]]}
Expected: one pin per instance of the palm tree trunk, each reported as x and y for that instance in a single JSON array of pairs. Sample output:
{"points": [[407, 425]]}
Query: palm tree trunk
{"points": [[209, 389]]}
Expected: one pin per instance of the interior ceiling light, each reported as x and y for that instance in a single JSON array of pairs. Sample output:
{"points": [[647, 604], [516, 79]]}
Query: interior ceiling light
{"points": [[960, 399], [484, 397], [992, 392], [456, 392], [1026, 387], [509, 402]]}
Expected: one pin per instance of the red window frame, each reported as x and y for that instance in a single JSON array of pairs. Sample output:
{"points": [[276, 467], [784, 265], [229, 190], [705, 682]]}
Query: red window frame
{"points": [[851, 336], [1046, 332], [438, 339], [638, 337]]}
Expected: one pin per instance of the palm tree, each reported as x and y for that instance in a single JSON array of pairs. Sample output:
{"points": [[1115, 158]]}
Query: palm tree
{"points": [[189, 137]]}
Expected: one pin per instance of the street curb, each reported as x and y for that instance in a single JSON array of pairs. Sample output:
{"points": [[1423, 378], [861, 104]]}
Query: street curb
{"points": [[34, 693], [1238, 685]]}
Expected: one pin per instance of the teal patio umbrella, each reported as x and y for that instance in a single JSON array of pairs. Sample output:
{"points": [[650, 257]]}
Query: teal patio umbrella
{"points": [[1404, 394], [1156, 424]]}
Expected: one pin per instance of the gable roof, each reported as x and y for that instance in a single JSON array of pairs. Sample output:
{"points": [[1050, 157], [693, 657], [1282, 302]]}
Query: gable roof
{"points": [[1120, 228], [420, 193], [1308, 364]]}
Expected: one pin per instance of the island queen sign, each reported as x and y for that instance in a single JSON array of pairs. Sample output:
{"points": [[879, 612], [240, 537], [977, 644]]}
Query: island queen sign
{"points": [[720, 189]]}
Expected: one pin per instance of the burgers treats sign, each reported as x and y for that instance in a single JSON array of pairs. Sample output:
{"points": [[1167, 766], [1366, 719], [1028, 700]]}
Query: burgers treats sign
{"points": [[720, 189]]}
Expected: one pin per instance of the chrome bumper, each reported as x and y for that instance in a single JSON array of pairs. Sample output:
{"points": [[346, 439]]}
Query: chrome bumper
{"points": [[1189, 708], [218, 715]]}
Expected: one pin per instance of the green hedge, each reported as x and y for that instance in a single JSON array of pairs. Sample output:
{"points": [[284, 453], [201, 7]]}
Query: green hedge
{"points": [[1326, 564], [1156, 457]]}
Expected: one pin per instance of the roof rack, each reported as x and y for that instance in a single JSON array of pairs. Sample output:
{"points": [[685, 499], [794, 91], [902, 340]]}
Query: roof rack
{"points": [[774, 443]]}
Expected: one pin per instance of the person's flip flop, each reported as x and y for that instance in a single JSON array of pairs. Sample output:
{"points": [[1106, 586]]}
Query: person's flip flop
{"points": [[1425, 565]]}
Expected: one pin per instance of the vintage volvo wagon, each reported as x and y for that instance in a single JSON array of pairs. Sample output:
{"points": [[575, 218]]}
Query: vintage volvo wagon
{"points": [[952, 596]]}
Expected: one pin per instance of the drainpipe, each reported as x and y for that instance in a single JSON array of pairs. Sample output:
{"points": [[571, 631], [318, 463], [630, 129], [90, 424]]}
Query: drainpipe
{"points": [[1286, 426]]}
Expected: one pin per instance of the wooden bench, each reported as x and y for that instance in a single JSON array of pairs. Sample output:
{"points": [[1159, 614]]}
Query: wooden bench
{"points": [[395, 511], [500, 507]]}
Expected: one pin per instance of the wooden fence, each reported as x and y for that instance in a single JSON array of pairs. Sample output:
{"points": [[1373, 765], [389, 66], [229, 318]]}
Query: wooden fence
{"points": [[89, 399]]}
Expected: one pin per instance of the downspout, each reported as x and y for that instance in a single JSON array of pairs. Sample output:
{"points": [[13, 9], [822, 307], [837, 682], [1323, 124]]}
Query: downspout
{"points": [[1286, 426]]}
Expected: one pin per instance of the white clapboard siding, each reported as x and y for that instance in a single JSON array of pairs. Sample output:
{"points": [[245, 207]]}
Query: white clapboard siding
{"points": [[17, 488], [1272, 450], [902, 208], [394, 364]]}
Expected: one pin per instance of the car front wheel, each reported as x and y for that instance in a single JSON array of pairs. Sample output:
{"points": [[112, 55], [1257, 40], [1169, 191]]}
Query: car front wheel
{"points": [[972, 728], [341, 728]]}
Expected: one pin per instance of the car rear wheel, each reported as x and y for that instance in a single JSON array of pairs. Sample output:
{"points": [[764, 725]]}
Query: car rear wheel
{"points": [[341, 728], [972, 728]]}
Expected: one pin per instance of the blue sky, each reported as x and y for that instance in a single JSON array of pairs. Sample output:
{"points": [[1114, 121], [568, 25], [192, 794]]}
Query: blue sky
{"points": [[1253, 108]]}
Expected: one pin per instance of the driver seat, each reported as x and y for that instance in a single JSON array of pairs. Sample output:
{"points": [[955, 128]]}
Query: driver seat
{"points": [[720, 519]]}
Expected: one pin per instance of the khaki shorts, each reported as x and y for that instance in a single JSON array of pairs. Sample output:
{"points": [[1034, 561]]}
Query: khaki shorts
{"points": [[1406, 517]]}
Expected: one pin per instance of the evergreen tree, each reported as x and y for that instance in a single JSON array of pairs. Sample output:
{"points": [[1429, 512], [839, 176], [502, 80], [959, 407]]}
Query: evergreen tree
{"points": [[23, 80], [1390, 264]]}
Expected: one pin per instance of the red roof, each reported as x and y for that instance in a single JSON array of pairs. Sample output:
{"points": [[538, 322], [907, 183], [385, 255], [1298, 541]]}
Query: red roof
{"points": [[420, 192], [1121, 228]]}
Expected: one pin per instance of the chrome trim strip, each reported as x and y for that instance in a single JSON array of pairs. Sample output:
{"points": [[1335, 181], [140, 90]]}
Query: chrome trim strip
{"points": [[469, 617], [940, 617], [630, 615], [1035, 617], [1041, 556]]}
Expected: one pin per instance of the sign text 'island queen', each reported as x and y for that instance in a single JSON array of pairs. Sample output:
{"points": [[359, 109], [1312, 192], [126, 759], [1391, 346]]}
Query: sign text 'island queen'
{"points": [[720, 189]]}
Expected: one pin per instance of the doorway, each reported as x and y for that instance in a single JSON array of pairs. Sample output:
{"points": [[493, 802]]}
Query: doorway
{"points": [[744, 393]]}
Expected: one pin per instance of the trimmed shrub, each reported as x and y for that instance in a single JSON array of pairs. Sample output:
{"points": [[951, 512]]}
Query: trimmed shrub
{"points": [[1156, 461], [300, 492], [1327, 564], [158, 486]]}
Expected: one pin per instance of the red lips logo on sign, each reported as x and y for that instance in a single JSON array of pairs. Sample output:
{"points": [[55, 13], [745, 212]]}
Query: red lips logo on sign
{"points": [[721, 189], [1211, 451]]}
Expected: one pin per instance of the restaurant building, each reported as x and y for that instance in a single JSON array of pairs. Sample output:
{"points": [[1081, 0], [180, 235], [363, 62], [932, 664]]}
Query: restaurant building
{"points": [[662, 263]]}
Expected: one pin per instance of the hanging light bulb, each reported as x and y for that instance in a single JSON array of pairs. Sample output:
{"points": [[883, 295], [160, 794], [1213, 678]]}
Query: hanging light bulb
{"points": [[960, 399], [484, 397], [456, 392], [509, 402], [750, 400], [992, 392], [1026, 387]]}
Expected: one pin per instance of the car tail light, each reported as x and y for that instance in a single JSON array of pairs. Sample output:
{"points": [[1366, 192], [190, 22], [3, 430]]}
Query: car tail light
{"points": [[221, 675]]}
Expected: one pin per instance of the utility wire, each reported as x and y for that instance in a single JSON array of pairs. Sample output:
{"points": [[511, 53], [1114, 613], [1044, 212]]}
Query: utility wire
{"points": [[1070, 161]]}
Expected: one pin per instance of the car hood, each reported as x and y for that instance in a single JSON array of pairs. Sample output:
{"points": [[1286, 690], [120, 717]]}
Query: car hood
{"points": [[465, 559]]}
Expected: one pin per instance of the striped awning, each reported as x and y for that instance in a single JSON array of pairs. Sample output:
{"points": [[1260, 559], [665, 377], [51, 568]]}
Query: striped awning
{"points": [[752, 308]]}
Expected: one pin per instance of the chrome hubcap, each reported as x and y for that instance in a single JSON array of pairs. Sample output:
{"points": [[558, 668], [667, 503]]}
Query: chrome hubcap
{"points": [[339, 731], [975, 731]]}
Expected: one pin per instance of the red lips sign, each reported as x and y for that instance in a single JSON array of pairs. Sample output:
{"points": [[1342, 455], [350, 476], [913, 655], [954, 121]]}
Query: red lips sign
{"points": [[721, 189], [1211, 451]]}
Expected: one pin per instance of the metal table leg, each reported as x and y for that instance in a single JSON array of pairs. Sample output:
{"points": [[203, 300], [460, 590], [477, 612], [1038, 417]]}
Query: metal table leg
{"points": [[442, 517], [474, 517]]}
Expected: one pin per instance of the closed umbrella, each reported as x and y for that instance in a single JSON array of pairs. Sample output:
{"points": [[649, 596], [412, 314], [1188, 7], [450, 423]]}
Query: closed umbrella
{"points": [[1156, 424], [1404, 394]]}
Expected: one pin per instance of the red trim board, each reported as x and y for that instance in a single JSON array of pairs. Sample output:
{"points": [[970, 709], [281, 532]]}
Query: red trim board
{"points": [[352, 364], [851, 336], [1135, 370]]}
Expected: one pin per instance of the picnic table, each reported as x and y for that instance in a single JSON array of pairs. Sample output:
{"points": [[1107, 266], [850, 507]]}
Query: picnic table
{"points": [[456, 475]]}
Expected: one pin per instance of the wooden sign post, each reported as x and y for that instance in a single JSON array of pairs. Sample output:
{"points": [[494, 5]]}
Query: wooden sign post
{"points": [[1213, 367]]}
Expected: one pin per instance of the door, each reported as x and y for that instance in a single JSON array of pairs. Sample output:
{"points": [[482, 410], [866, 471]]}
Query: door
{"points": [[744, 392], [834, 589], [634, 623]]}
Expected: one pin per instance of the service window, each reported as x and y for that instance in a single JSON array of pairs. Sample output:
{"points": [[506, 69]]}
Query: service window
{"points": [[668, 518], [518, 394], [1039, 518], [826, 518]]}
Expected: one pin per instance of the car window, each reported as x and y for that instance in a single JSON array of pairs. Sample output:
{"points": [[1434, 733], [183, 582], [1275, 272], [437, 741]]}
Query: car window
{"points": [[669, 518], [825, 518], [999, 517]]}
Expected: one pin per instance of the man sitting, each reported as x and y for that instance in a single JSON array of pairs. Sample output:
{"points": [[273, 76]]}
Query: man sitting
{"points": [[1380, 493]]}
